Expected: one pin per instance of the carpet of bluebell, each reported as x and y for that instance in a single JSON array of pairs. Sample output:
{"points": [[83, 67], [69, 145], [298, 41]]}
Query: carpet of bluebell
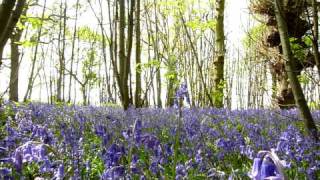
{"points": [[77, 142]]}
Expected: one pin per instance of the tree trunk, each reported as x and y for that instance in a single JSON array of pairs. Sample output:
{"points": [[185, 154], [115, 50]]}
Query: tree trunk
{"points": [[6, 8], [60, 82], [124, 63], [14, 74], [219, 60], [127, 69], [315, 33], [73, 50], [31, 77], [291, 71], [138, 58]]}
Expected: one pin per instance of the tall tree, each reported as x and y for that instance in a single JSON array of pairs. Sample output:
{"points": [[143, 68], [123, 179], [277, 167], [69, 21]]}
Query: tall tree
{"points": [[6, 8], [315, 32], [75, 27], [220, 51], [15, 57], [8, 20], [291, 70], [124, 59], [32, 77], [138, 58], [62, 39]]}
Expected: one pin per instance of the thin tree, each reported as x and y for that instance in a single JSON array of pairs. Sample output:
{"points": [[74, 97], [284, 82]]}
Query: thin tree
{"points": [[315, 32], [31, 77], [75, 27], [291, 71], [6, 9], [15, 57], [219, 59], [138, 58]]}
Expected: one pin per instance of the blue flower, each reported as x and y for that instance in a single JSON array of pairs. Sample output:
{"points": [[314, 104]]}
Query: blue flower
{"points": [[181, 170], [18, 157], [4, 172], [60, 172], [181, 93]]}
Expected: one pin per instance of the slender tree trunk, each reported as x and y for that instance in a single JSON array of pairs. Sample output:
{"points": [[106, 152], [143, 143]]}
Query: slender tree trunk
{"points": [[73, 50], [14, 74], [31, 77], [138, 58], [60, 82], [315, 33], [199, 65], [290, 69], [6, 8], [124, 63], [220, 50], [127, 69]]}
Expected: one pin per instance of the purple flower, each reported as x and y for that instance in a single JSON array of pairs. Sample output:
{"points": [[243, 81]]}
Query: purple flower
{"points": [[150, 141], [46, 167], [18, 161], [182, 93], [181, 170], [113, 173], [60, 172], [255, 172], [4, 172]]}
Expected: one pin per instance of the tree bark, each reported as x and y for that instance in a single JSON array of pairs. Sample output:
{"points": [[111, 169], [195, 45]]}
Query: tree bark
{"points": [[124, 63], [14, 74], [60, 82], [31, 77], [219, 59], [315, 33], [291, 71], [5, 12], [138, 58], [73, 50]]}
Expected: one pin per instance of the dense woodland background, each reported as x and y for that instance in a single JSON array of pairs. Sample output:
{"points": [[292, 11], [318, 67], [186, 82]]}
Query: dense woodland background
{"points": [[159, 89], [104, 52]]}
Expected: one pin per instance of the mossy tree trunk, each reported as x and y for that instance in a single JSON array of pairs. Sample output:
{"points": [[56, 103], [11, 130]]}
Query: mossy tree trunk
{"points": [[219, 57]]}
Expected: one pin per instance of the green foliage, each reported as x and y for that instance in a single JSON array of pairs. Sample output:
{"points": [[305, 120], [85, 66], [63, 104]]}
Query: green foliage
{"points": [[198, 24], [255, 34], [298, 51], [85, 33], [307, 40], [27, 43], [218, 95], [88, 66], [314, 105], [150, 64], [304, 79], [172, 7]]}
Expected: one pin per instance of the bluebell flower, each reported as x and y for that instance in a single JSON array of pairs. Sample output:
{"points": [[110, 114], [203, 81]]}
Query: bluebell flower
{"points": [[4, 172], [59, 174], [118, 171], [17, 160], [255, 172], [150, 141], [181, 93], [154, 168], [46, 166], [113, 173], [181, 170], [134, 165]]}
